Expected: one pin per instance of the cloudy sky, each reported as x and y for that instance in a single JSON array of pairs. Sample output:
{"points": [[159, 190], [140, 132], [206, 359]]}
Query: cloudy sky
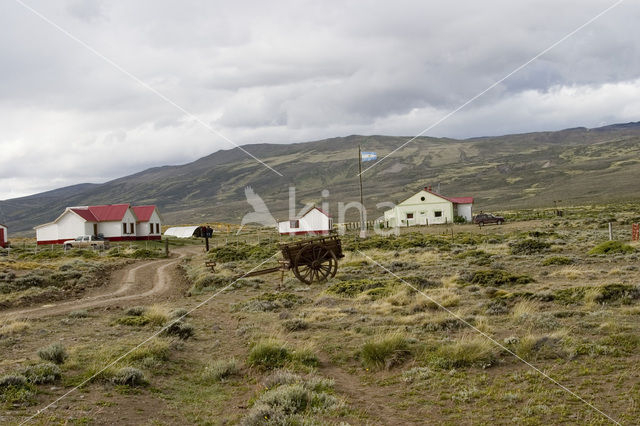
{"points": [[281, 72]]}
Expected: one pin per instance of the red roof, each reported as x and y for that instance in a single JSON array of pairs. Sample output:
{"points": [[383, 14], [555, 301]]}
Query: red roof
{"points": [[143, 213], [455, 200], [85, 214], [105, 213], [109, 212]]}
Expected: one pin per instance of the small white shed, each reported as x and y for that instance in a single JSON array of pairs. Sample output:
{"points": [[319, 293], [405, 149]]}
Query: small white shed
{"points": [[4, 238], [181, 231], [313, 221]]}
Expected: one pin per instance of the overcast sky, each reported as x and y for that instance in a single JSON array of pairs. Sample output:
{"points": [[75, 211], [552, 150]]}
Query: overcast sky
{"points": [[295, 71]]}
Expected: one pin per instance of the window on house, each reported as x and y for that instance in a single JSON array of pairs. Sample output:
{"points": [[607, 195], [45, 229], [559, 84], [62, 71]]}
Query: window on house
{"points": [[131, 230], [124, 228], [294, 224], [421, 198], [157, 228], [409, 215], [422, 213], [151, 228], [437, 213]]}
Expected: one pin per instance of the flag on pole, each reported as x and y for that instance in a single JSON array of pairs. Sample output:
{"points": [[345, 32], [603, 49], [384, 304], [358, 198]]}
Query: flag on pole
{"points": [[368, 156]]}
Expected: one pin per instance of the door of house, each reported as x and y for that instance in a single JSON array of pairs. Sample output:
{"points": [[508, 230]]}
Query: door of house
{"points": [[95, 229], [1, 237]]}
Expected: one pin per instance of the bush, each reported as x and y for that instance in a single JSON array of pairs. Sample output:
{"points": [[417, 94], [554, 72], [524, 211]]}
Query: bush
{"points": [[129, 376], [268, 355], [242, 251], [221, 369], [529, 246], [55, 353], [611, 247], [82, 313], [497, 278], [466, 352], [16, 390], [183, 330], [295, 325], [386, 352], [459, 219], [136, 311], [42, 373], [289, 399]]}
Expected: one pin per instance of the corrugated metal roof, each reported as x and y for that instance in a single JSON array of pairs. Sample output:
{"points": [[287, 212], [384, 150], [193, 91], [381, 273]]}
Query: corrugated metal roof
{"points": [[181, 231], [109, 212], [85, 214], [143, 213]]}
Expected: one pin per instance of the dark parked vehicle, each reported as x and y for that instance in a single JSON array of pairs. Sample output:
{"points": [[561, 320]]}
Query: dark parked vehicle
{"points": [[486, 218]]}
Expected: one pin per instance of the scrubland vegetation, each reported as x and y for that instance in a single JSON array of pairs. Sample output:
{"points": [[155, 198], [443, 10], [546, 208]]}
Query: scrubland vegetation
{"points": [[424, 327]]}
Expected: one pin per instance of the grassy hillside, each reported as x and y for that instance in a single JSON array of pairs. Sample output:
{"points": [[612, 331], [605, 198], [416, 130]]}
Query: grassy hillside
{"points": [[578, 166]]}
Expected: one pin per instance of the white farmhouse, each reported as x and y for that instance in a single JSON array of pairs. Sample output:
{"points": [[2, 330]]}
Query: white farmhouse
{"points": [[4, 237], [428, 208], [313, 221], [116, 222]]}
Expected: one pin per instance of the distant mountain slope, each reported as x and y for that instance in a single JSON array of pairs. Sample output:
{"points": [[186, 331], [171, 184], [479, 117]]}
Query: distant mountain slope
{"points": [[524, 170]]}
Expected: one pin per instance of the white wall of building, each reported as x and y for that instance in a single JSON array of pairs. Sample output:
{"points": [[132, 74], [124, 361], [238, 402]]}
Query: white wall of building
{"points": [[466, 211], [422, 208], [144, 228], [313, 221]]}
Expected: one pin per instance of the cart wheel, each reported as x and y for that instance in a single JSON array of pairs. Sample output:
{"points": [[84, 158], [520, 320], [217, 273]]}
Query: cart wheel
{"points": [[315, 263]]}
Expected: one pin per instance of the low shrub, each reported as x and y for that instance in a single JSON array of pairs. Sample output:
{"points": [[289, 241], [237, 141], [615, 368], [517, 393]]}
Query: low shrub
{"points": [[42, 373], [16, 390], [183, 330], [129, 376], [268, 355], [541, 347], [387, 351], [242, 251], [290, 399], [466, 352], [611, 247], [221, 369], [295, 324], [529, 246], [55, 353], [82, 313], [557, 260], [495, 278]]}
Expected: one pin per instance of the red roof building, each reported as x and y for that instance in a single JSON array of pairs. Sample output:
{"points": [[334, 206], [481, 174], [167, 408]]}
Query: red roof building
{"points": [[115, 222]]}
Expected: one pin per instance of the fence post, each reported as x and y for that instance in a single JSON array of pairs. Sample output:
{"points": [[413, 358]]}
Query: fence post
{"points": [[610, 232]]}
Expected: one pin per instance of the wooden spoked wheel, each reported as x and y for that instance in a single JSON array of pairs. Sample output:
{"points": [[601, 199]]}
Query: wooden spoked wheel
{"points": [[315, 263]]}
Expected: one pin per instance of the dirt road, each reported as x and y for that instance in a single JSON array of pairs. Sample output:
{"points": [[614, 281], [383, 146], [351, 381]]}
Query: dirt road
{"points": [[138, 281]]}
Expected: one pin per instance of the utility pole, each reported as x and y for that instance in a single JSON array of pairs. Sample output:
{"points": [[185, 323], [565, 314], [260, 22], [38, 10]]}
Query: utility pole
{"points": [[363, 231]]}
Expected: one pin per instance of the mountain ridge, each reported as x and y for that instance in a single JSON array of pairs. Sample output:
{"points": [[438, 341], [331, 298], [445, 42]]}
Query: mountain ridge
{"points": [[506, 171]]}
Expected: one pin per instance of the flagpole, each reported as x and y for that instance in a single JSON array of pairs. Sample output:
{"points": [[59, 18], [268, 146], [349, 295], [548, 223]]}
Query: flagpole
{"points": [[363, 231]]}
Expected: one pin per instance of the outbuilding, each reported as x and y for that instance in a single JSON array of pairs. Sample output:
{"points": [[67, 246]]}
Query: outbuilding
{"points": [[429, 208], [4, 238], [314, 221]]}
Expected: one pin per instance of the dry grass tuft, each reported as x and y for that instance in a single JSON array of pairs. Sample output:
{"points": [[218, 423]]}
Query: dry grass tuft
{"points": [[13, 328]]}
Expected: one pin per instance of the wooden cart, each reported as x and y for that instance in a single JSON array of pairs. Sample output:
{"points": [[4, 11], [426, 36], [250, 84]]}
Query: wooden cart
{"points": [[314, 259]]}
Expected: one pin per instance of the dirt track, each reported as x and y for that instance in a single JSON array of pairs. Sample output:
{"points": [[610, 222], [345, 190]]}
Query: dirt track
{"points": [[137, 281]]}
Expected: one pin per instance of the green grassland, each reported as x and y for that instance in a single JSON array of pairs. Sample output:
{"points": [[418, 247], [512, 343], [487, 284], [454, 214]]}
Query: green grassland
{"points": [[430, 326]]}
